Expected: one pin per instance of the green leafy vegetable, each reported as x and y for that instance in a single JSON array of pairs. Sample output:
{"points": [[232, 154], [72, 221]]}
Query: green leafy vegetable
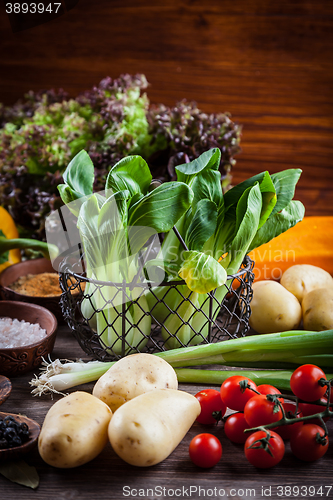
{"points": [[201, 272], [40, 134], [218, 231], [21, 473], [206, 237], [114, 228]]}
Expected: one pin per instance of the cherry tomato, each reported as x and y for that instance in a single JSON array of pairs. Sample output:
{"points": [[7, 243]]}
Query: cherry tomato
{"points": [[234, 428], [233, 393], [286, 431], [261, 411], [264, 451], [205, 450], [308, 444], [304, 382], [212, 406], [269, 389]]}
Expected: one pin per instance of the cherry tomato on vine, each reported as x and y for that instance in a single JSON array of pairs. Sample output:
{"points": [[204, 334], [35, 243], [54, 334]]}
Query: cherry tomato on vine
{"points": [[264, 449], [205, 450], [286, 431], [309, 444], [212, 406], [269, 389], [305, 384], [261, 411], [234, 428], [235, 392]]}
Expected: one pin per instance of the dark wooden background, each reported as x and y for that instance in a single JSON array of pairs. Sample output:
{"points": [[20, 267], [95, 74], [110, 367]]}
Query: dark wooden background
{"points": [[268, 63]]}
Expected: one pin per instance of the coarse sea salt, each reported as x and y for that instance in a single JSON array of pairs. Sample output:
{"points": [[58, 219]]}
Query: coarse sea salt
{"points": [[15, 333]]}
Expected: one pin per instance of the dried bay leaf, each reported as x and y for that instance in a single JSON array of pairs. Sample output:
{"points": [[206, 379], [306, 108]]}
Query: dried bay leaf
{"points": [[20, 472]]}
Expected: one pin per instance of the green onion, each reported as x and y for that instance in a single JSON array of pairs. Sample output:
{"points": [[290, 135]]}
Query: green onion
{"points": [[46, 249], [297, 345], [278, 378], [57, 376], [284, 344]]}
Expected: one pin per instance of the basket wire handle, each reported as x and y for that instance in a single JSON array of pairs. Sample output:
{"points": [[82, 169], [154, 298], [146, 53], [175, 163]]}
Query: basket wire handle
{"points": [[143, 260], [211, 294], [177, 233], [153, 185]]}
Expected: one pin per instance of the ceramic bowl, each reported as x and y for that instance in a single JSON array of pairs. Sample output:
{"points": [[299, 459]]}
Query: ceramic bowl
{"points": [[19, 360], [35, 266]]}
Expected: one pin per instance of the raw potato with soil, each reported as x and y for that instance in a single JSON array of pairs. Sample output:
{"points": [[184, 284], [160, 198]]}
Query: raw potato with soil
{"points": [[134, 375], [74, 430], [303, 278], [146, 430], [273, 308]]}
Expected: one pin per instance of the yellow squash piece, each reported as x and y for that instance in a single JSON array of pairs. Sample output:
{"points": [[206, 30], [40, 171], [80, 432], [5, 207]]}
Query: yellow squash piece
{"points": [[309, 242], [7, 226]]}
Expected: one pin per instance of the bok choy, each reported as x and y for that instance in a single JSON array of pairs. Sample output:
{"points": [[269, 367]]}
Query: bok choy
{"points": [[115, 227], [217, 232]]}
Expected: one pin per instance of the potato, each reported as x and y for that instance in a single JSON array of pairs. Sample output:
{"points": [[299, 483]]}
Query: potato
{"points": [[145, 430], [317, 309], [303, 278], [75, 430], [273, 308], [133, 375]]}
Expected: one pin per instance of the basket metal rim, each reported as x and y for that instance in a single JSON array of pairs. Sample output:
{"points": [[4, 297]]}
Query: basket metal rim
{"points": [[149, 284]]}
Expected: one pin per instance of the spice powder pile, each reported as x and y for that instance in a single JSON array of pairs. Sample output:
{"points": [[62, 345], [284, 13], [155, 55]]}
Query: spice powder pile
{"points": [[38, 285]]}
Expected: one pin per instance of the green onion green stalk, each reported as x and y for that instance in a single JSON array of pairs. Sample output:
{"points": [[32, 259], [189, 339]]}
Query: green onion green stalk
{"points": [[295, 346], [25, 243]]}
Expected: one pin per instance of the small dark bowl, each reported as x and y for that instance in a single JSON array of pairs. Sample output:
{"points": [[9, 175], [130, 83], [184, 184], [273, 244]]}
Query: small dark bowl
{"points": [[18, 451], [35, 266], [15, 361]]}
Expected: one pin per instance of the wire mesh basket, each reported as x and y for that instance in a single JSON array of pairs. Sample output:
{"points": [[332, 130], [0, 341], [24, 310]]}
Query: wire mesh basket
{"points": [[150, 317]]}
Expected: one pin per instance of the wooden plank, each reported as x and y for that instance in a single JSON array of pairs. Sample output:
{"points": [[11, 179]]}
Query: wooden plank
{"points": [[268, 64]]}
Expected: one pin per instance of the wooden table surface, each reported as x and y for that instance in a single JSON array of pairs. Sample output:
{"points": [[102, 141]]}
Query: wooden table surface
{"points": [[108, 477]]}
